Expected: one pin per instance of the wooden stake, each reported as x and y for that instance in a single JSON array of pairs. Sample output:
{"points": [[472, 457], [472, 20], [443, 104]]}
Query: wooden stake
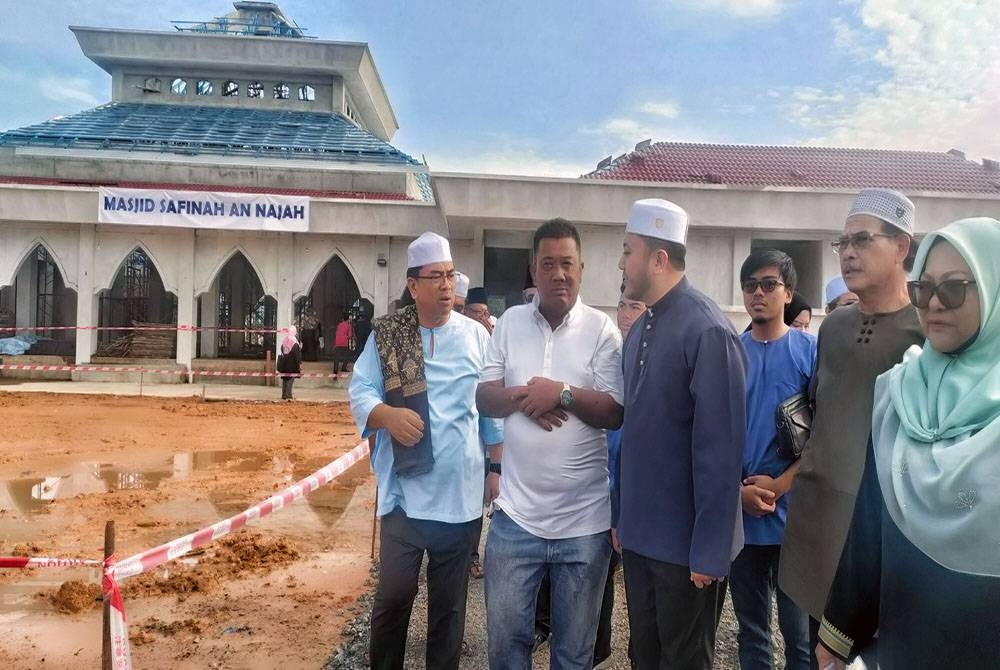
{"points": [[109, 549]]}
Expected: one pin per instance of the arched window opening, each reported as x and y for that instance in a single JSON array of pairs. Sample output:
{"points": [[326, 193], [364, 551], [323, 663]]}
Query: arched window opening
{"points": [[36, 300]]}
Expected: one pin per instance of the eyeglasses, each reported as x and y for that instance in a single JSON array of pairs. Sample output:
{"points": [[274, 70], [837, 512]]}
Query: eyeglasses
{"points": [[950, 293], [859, 241], [438, 277], [750, 286], [477, 312]]}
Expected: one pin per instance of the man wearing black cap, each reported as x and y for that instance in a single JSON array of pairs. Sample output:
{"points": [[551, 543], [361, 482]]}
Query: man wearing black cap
{"points": [[477, 308]]}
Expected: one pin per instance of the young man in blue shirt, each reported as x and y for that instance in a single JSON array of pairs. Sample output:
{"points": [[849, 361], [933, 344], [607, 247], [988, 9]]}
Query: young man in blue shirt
{"points": [[780, 365]]}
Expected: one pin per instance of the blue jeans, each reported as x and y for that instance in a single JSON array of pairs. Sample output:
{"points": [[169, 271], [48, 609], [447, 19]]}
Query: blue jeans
{"points": [[515, 562], [753, 581]]}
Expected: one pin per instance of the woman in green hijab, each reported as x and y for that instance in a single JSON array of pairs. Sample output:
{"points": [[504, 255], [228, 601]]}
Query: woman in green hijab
{"points": [[921, 565]]}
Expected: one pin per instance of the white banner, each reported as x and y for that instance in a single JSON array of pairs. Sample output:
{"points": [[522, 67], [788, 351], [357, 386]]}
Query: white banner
{"points": [[203, 209]]}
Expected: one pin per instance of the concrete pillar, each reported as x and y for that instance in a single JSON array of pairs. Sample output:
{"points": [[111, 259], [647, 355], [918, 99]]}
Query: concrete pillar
{"points": [[741, 249], [185, 298], [478, 270], [380, 279], [210, 319], [86, 298], [286, 282]]}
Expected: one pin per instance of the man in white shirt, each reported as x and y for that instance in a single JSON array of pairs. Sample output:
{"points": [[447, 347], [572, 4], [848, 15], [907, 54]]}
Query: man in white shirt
{"points": [[553, 372]]}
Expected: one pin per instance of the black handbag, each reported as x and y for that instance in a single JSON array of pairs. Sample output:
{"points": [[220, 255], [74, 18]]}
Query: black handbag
{"points": [[794, 417]]}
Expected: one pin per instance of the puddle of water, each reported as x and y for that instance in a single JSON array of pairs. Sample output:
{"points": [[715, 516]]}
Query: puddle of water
{"points": [[327, 503], [30, 495], [330, 501]]}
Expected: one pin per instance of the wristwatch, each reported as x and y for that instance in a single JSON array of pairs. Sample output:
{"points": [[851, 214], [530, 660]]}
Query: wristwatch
{"points": [[565, 397], [495, 468]]}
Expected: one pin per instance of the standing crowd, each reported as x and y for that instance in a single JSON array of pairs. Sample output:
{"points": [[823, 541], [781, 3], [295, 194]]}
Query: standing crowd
{"points": [[851, 478]]}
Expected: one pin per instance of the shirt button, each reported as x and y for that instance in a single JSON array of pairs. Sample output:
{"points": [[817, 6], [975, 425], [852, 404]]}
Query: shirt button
{"points": [[645, 344], [649, 326]]}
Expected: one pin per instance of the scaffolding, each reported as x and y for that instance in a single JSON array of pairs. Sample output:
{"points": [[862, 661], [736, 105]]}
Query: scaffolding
{"points": [[251, 19]]}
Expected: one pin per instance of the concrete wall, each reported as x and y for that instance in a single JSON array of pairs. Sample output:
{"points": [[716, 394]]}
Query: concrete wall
{"points": [[131, 86], [105, 167], [118, 51]]}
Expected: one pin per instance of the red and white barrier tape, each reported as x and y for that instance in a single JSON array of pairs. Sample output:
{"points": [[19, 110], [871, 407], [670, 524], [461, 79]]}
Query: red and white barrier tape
{"points": [[150, 559], [182, 327], [46, 562], [153, 558], [153, 371], [121, 653]]}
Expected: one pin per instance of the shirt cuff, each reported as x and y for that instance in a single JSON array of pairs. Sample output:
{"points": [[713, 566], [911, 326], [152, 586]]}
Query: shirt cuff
{"points": [[362, 408], [839, 644]]}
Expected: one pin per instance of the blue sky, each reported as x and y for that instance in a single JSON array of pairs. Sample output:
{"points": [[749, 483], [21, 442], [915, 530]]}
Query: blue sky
{"points": [[551, 87]]}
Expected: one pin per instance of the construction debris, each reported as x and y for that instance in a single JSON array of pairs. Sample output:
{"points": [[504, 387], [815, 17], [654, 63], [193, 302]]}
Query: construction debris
{"points": [[142, 343]]}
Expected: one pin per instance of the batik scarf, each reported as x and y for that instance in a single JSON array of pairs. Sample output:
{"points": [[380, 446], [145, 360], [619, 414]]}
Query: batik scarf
{"points": [[401, 356]]}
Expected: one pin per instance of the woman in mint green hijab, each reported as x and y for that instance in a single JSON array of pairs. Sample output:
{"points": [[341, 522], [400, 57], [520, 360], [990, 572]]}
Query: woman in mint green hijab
{"points": [[922, 561]]}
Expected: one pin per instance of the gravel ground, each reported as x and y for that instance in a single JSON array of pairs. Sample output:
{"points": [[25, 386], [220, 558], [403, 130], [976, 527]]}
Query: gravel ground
{"points": [[353, 653]]}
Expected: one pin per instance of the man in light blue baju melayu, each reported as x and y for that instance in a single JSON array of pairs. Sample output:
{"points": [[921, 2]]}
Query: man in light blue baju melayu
{"points": [[414, 387]]}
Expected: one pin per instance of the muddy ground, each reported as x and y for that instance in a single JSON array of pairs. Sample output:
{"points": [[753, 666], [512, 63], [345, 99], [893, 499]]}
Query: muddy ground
{"points": [[275, 595]]}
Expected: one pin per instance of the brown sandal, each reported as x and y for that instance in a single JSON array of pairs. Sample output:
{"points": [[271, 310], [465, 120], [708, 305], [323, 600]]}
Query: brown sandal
{"points": [[476, 569]]}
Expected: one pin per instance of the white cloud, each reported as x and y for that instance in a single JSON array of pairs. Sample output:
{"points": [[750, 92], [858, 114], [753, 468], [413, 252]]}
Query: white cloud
{"points": [[942, 88], [737, 8], [69, 89], [667, 110], [651, 120]]}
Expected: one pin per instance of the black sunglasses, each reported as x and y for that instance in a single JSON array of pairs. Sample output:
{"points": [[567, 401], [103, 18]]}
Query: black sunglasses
{"points": [[750, 286], [950, 292]]}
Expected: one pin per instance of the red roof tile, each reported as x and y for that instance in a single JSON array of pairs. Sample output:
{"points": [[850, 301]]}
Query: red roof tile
{"points": [[806, 167], [349, 195]]}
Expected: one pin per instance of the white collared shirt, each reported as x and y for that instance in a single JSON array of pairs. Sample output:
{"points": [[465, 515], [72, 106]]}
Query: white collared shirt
{"points": [[555, 484]]}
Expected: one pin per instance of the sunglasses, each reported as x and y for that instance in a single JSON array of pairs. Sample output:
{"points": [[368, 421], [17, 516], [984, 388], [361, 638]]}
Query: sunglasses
{"points": [[859, 241], [950, 293], [750, 286]]}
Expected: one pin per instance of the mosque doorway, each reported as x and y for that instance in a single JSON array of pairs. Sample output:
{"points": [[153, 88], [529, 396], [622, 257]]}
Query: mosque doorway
{"points": [[333, 297], [137, 297]]}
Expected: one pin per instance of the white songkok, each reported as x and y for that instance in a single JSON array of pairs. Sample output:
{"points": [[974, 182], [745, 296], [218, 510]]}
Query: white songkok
{"points": [[658, 218], [461, 285], [890, 206], [835, 288], [426, 249]]}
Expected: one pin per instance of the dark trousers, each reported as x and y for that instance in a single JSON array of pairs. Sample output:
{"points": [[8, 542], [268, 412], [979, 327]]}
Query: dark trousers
{"points": [[602, 648], [753, 583], [286, 387], [448, 547], [672, 622]]}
